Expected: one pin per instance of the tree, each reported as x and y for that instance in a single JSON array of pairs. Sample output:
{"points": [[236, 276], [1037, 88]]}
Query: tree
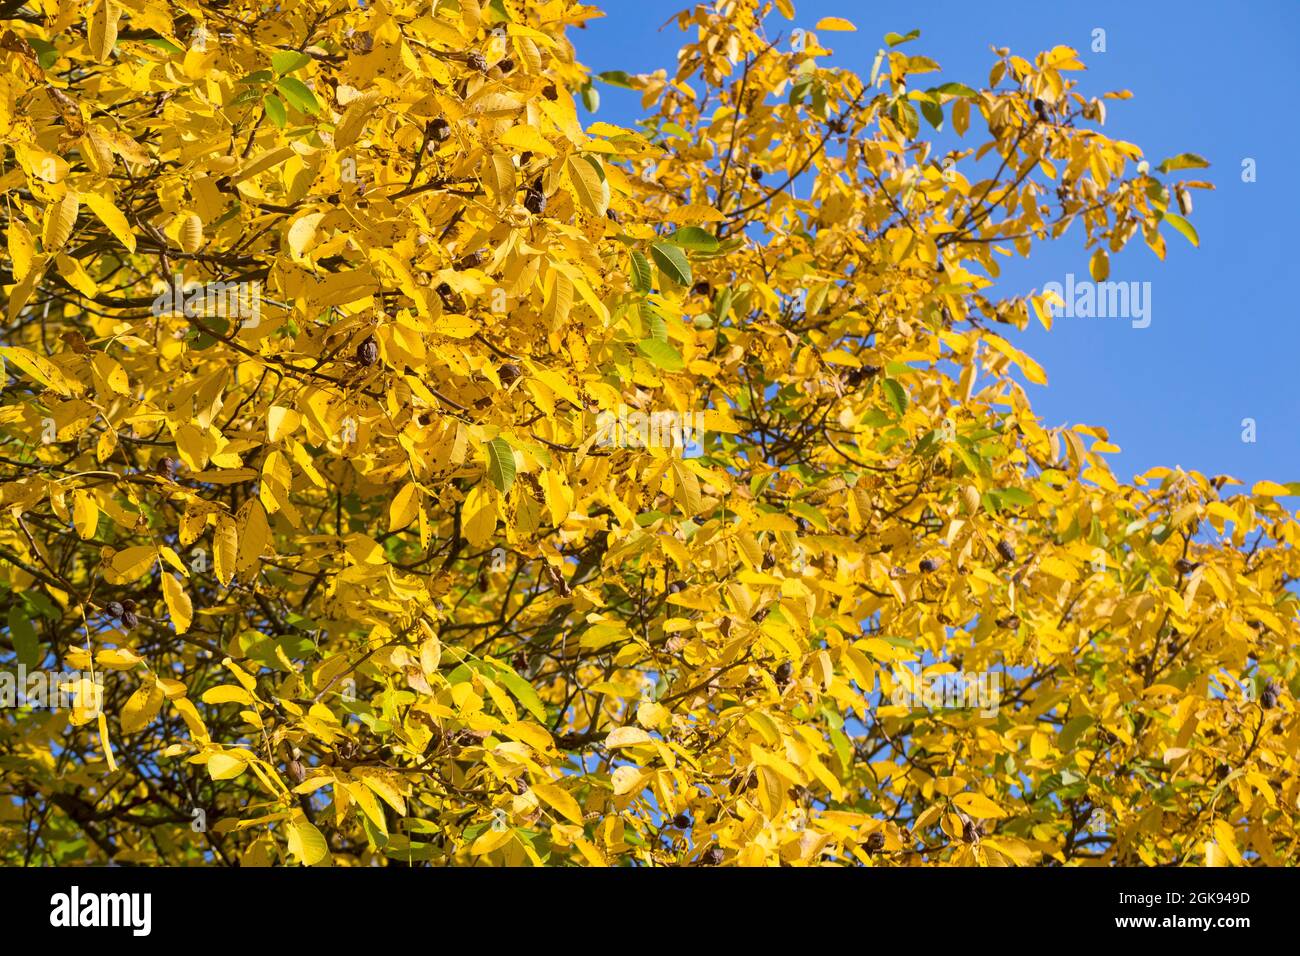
{"points": [[430, 473]]}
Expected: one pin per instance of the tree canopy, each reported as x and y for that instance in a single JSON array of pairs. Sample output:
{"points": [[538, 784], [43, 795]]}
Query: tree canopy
{"points": [[431, 472]]}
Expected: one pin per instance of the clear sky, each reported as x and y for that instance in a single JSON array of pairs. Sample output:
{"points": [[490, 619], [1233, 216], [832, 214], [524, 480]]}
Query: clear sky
{"points": [[1217, 79]]}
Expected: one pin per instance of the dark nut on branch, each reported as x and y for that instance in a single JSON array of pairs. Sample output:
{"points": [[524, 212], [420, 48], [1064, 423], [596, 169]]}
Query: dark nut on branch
{"points": [[367, 353]]}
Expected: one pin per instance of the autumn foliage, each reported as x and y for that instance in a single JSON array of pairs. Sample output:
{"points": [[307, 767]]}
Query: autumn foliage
{"points": [[354, 521]]}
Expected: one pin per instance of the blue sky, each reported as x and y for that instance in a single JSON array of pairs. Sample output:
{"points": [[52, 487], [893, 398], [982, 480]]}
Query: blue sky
{"points": [[1209, 78]]}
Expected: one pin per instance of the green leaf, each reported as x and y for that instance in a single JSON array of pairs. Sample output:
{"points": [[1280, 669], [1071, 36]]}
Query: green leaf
{"points": [[298, 95], [932, 111], [671, 262], [662, 354], [1070, 732], [722, 305], [46, 52], [23, 637], [616, 78], [590, 98], [819, 100], [642, 278], [694, 238], [928, 444], [799, 90], [522, 690], [590, 186], [286, 61], [244, 98], [501, 464], [157, 42], [1015, 497], [1183, 226], [904, 114], [812, 514], [215, 324], [955, 89], [894, 39], [275, 110], [896, 395], [656, 324], [843, 749], [1182, 161]]}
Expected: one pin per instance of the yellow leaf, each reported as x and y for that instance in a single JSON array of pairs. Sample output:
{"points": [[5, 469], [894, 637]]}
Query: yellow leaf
{"points": [[693, 213], [88, 703], [225, 767], [536, 737], [281, 422], [38, 368], [306, 844], [369, 805], [491, 839], [590, 852], [302, 234], [22, 249], [190, 232], [179, 606], [1227, 841], [627, 779], [103, 741], [687, 488], [626, 737], [254, 534], [60, 218], [404, 507], [479, 515], [561, 800], [1038, 745], [226, 693], [1099, 265], [1270, 488], [85, 514], [354, 119], [835, 23], [559, 499], [22, 291], [102, 31], [131, 563], [590, 187], [141, 708], [979, 806], [527, 139], [117, 659], [112, 218], [76, 276], [1059, 568], [225, 540], [430, 655]]}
